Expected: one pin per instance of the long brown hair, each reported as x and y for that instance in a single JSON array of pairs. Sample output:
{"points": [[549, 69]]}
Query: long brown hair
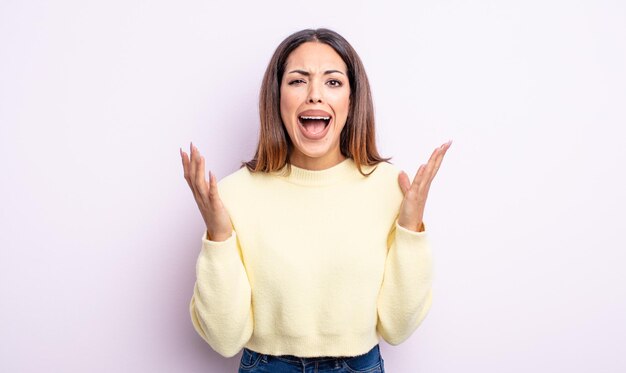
{"points": [[357, 141]]}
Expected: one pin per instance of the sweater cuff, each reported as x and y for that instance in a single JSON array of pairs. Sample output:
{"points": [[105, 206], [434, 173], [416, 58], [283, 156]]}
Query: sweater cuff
{"points": [[406, 231], [208, 244]]}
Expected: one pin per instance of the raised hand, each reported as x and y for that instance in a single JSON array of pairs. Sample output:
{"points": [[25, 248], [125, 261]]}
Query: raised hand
{"points": [[415, 193], [206, 194]]}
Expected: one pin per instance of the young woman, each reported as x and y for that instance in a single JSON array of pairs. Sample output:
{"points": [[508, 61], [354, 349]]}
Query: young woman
{"points": [[316, 248]]}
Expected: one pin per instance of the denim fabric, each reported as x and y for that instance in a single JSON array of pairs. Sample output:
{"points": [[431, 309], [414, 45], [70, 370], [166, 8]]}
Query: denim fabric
{"points": [[254, 362]]}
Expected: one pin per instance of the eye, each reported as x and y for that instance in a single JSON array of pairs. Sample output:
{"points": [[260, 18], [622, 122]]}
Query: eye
{"points": [[296, 82], [335, 83]]}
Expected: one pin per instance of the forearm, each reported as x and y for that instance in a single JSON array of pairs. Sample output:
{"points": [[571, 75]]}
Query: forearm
{"points": [[405, 295], [220, 307]]}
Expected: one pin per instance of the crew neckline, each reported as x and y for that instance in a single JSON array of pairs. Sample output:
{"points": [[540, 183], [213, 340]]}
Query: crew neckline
{"points": [[342, 171]]}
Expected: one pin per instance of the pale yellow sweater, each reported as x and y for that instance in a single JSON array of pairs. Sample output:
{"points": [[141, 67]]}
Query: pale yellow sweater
{"points": [[316, 265]]}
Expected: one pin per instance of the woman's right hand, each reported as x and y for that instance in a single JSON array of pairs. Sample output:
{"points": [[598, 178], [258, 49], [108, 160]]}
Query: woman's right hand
{"points": [[207, 197]]}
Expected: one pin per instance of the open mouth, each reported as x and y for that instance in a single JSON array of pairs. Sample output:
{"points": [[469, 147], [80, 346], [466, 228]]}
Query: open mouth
{"points": [[314, 124]]}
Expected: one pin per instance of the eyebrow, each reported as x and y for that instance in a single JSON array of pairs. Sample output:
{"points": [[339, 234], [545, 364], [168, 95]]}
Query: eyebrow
{"points": [[306, 73]]}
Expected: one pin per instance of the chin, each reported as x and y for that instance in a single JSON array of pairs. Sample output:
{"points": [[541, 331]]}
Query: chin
{"points": [[314, 153]]}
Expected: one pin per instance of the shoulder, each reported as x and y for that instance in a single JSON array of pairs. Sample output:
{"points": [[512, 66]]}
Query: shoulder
{"points": [[383, 172], [385, 177], [236, 182], [235, 178], [236, 188], [386, 170], [243, 182]]}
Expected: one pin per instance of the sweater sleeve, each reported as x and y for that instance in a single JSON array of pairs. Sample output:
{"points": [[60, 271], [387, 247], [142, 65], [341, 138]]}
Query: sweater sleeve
{"points": [[220, 307], [405, 295]]}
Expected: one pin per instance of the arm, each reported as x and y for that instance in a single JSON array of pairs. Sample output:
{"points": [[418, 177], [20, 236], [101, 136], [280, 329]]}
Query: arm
{"points": [[220, 307], [221, 303], [406, 294]]}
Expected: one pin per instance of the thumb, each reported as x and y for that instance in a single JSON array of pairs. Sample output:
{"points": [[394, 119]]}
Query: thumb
{"points": [[403, 180]]}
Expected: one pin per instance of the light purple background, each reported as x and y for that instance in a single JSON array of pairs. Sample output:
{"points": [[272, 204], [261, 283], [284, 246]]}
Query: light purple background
{"points": [[100, 233]]}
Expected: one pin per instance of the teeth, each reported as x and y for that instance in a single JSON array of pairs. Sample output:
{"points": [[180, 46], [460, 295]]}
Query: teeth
{"points": [[315, 118]]}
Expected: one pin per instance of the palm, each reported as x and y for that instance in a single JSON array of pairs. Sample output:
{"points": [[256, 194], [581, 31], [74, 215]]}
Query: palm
{"points": [[415, 194], [206, 195]]}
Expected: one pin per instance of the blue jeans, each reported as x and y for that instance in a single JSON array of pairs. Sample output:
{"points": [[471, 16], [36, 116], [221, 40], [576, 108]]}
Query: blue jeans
{"points": [[254, 362]]}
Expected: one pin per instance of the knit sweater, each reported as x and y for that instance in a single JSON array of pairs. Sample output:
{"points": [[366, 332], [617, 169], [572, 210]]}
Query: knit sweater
{"points": [[317, 264]]}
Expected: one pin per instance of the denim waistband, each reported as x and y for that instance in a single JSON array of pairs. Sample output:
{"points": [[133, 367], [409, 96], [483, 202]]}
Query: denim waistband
{"points": [[332, 361]]}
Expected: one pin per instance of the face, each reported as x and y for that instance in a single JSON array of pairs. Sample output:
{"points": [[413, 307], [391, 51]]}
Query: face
{"points": [[314, 104]]}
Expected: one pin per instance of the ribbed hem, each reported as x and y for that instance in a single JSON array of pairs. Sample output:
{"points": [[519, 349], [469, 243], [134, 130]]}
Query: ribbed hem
{"points": [[314, 346], [343, 171]]}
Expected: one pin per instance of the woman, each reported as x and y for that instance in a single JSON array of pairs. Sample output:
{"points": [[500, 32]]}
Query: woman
{"points": [[316, 249]]}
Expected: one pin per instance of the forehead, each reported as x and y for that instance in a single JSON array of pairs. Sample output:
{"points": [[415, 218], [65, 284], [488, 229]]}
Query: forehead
{"points": [[314, 56]]}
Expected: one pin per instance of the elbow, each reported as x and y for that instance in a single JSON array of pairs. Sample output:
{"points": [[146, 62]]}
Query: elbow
{"points": [[392, 338], [223, 334], [229, 350], [395, 330]]}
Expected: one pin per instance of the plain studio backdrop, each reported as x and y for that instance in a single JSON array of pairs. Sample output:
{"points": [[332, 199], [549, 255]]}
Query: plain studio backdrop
{"points": [[100, 232]]}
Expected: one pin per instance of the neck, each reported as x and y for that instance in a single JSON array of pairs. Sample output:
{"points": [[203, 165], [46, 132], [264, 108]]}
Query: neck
{"points": [[343, 171], [315, 164]]}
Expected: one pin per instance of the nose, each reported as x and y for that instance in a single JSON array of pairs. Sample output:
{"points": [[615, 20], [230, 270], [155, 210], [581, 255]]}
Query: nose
{"points": [[315, 94]]}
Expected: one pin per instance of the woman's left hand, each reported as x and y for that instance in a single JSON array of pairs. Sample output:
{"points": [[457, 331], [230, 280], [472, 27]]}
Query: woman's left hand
{"points": [[415, 194]]}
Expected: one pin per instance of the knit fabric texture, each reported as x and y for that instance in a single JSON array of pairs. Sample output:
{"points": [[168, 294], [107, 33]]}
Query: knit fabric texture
{"points": [[317, 264]]}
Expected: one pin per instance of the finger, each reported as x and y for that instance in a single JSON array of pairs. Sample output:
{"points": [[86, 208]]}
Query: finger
{"points": [[194, 163], [432, 159], [213, 192], [403, 180], [419, 175], [444, 148], [201, 184], [437, 163], [186, 166], [429, 173]]}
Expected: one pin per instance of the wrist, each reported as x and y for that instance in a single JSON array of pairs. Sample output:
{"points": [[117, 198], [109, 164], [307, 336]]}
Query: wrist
{"points": [[218, 236], [419, 227]]}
